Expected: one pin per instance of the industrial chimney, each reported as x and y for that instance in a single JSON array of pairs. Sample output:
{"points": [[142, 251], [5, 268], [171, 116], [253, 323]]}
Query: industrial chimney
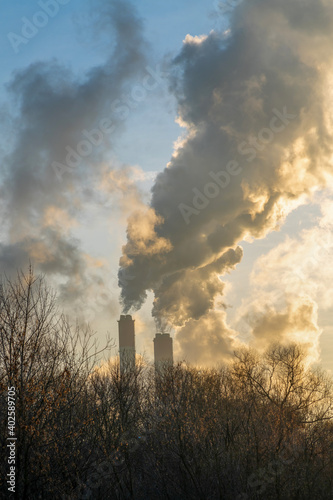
{"points": [[163, 352], [126, 343]]}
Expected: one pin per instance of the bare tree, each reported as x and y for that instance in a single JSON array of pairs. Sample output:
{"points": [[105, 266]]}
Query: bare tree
{"points": [[286, 404], [47, 361]]}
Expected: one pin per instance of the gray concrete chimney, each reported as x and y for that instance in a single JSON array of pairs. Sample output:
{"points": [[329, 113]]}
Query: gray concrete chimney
{"points": [[163, 351], [126, 343]]}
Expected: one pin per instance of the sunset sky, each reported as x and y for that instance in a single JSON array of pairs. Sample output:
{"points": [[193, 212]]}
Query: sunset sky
{"points": [[189, 141]]}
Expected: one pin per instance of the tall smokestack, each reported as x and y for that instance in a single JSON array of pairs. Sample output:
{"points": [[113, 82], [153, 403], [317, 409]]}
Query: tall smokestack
{"points": [[163, 351], [126, 343]]}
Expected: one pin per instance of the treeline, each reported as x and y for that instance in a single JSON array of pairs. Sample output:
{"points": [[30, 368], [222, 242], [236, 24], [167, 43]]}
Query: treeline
{"points": [[259, 428]]}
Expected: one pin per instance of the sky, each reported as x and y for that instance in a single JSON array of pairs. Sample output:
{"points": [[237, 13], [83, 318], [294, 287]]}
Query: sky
{"points": [[173, 161]]}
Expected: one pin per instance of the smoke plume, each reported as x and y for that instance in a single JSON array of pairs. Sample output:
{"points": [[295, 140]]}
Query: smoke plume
{"points": [[53, 112], [256, 102]]}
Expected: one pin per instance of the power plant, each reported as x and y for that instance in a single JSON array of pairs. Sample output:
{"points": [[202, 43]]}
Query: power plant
{"points": [[163, 346]]}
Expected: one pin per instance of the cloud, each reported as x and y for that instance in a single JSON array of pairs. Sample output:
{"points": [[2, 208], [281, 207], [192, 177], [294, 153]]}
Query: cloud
{"points": [[297, 322], [299, 266], [290, 283], [257, 96], [206, 339]]}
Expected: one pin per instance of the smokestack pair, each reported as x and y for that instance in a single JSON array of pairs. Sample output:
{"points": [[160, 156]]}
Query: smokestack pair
{"points": [[163, 351]]}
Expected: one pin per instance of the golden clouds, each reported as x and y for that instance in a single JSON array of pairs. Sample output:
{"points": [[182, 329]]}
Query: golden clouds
{"points": [[59, 219], [143, 238], [206, 340]]}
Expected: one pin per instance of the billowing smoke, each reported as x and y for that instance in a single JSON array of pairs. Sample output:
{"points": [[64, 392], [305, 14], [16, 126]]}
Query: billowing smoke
{"points": [[55, 165], [256, 102], [289, 285], [297, 322]]}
